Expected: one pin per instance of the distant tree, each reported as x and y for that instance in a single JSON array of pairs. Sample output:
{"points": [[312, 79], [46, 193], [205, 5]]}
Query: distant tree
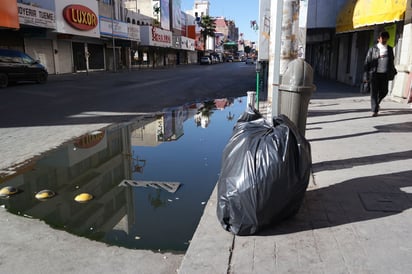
{"points": [[157, 201], [208, 28], [230, 47]]}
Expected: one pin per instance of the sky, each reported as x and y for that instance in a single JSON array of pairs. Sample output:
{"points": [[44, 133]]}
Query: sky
{"points": [[241, 11]]}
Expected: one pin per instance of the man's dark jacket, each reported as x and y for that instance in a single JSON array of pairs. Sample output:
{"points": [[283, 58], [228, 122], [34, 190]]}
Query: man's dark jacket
{"points": [[371, 63]]}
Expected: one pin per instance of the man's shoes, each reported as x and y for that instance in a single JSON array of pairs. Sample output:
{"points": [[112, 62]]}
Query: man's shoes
{"points": [[374, 114]]}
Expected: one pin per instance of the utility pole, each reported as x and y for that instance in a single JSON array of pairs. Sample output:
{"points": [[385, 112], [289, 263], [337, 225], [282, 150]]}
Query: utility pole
{"points": [[290, 33], [113, 43], [276, 10], [283, 46], [303, 21]]}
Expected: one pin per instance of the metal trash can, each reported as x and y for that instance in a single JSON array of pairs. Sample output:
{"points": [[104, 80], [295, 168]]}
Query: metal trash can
{"points": [[295, 90]]}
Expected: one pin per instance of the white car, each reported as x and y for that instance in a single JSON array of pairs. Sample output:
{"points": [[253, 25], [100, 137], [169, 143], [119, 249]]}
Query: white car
{"points": [[205, 60]]}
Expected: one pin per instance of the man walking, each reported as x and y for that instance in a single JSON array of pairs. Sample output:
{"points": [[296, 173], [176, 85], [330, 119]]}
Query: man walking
{"points": [[379, 68]]}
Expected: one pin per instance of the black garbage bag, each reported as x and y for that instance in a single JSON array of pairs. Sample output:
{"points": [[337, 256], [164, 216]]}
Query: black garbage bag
{"points": [[264, 175]]}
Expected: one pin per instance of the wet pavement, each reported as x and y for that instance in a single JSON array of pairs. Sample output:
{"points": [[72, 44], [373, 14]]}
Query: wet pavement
{"points": [[149, 177]]}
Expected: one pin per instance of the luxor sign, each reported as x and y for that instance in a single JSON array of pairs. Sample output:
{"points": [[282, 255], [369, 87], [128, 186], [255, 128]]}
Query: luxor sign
{"points": [[89, 140], [80, 17]]}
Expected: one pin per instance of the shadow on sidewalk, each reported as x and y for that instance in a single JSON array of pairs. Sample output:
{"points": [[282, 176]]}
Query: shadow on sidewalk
{"points": [[361, 161], [399, 127], [318, 113], [385, 112], [331, 89], [355, 200], [368, 116]]}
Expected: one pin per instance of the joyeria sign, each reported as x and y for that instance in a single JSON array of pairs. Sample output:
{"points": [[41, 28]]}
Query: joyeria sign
{"points": [[80, 17]]}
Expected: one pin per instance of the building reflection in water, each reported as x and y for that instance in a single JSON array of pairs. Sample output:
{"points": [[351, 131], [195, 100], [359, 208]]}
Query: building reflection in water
{"points": [[148, 189]]}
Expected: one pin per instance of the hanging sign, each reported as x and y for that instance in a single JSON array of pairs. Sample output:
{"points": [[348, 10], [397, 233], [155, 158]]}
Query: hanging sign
{"points": [[34, 16], [80, 17]]}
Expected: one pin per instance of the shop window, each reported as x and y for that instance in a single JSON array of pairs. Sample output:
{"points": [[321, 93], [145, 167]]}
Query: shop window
{"points": [[79, 58], [96, 59], [128, 20]]}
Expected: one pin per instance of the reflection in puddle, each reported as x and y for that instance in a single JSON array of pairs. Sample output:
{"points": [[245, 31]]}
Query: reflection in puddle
{"points": [[148, 179]]}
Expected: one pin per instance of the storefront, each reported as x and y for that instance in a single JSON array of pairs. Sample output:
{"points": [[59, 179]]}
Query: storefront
{"points": [[133, 52], [357, 27], [156, 45], [34, 35], [179, 55], [87, 56], [78, 37], [188, 48], [9, 22], [121, 40]]}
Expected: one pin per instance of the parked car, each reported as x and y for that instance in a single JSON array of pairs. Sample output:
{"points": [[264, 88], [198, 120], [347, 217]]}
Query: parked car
{"points": [[229, 58], [16, 66], [249, 61], [205, 60]]}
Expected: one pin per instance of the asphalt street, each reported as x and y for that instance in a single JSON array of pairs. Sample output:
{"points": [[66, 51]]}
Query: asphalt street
{"points": [[38, 118]]}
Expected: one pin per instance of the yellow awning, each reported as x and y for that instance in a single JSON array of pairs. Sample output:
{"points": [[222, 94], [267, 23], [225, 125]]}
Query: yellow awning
{"points": [[344, 20], [361, 13]]}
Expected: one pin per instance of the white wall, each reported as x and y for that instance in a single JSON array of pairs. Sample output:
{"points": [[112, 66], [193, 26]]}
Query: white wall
{"points": [[145, 7], [405, 63], [65, 56], [42, 50]]}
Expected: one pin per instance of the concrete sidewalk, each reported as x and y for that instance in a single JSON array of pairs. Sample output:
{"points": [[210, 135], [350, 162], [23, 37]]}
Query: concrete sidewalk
{"points": [[356, 216]]}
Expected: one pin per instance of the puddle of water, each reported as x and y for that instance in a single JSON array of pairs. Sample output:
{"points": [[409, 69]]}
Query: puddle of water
{"points": [[150, 178]]}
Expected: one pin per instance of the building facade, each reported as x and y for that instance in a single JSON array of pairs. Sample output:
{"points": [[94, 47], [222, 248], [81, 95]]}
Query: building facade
{"points": [[339, 34], [79, 36]]}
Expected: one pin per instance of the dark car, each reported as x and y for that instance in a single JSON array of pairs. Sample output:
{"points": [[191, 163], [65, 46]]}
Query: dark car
{"points": [[229, 58], [17, 66]]}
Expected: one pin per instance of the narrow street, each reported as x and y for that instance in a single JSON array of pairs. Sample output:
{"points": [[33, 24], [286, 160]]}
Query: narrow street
{"points": [[145, 90]]}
